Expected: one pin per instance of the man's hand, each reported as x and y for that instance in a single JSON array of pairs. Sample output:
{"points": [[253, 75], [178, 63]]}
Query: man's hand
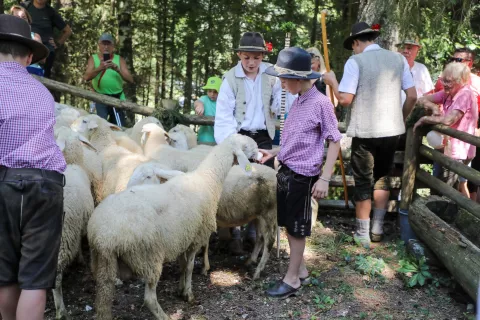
{"points": [[329, 78], [320, 189], [199, 108]]}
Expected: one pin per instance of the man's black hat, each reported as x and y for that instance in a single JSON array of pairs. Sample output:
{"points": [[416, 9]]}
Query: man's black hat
{"points": [[359, 29]]}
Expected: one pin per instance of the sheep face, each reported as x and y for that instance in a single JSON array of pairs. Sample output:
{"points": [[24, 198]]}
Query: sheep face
{"points": [[244, 148], [151, 173], [178, 140], [149, 128]]}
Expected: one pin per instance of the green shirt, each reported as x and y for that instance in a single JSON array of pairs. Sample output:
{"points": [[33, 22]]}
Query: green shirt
{"points": [[205, 133], [111, 82]]}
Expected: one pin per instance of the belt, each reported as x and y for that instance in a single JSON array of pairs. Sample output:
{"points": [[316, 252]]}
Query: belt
{"points": [[12, 174], [253, 132]]}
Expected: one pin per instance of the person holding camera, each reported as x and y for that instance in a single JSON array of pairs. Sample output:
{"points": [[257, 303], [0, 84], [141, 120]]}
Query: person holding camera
{"points": [[108, 71]]}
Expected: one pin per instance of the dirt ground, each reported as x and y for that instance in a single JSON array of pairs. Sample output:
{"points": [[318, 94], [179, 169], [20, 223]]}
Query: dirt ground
{"points": [[338, 289]]}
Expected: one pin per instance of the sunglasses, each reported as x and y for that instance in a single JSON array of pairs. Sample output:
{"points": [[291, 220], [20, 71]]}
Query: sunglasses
{"points": [[453, 59]]}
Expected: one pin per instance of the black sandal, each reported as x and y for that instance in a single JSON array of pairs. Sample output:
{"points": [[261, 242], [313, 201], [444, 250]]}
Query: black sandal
{"points": [[281, 290]]}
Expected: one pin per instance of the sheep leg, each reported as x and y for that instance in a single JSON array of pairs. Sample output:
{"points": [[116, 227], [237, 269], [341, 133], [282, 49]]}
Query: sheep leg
{"points": [[256, 251], [263, 260], [93, 263], [206, 261], [151, 299], [182, 261], [187, 290], [106, 272], [61, 311]]}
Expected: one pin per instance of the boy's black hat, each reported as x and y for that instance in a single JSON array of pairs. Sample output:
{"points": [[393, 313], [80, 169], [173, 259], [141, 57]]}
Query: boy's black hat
{"points": [[358, 29], [17, 30], [293, 63], [252, 42]]}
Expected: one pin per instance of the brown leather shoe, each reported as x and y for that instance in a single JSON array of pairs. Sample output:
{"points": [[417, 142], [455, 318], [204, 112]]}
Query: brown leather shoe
{"points": [[236, 248]]}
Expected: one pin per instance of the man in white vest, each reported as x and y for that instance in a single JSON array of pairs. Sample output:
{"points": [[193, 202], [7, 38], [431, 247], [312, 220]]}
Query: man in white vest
{"points": [[372, 82], [244, 105]]}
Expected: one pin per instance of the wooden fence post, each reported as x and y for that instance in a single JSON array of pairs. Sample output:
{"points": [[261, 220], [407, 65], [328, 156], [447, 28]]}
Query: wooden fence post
{"points": [[410, 166]]}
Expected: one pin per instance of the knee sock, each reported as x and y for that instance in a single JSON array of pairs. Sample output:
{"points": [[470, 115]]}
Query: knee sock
{"points": [[363, 228], [377, 224]]}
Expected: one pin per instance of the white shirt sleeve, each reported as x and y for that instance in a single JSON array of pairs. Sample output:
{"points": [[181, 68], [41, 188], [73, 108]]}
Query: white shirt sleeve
{"points": [[225, 123], [277, 97], [407, 79], [351, 73], [427, 80]]}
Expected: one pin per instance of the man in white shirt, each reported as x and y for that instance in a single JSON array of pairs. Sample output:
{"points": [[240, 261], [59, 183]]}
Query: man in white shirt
{"points": [[245, 105], [372, 81], [421, 77]]}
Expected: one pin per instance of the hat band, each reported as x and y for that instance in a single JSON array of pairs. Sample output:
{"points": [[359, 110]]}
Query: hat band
{"points": [[251, 47], [282, 71]]}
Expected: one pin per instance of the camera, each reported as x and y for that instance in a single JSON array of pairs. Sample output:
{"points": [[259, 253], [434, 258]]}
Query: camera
{"points": [[106, 56]]}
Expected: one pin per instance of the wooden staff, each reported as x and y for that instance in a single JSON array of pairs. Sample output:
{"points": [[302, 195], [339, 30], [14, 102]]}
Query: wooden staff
{"points": [[332, 97], [283, 103]]}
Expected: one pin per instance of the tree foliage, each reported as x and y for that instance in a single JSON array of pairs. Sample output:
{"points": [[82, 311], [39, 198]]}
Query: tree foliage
{"points": [[173, 46]]}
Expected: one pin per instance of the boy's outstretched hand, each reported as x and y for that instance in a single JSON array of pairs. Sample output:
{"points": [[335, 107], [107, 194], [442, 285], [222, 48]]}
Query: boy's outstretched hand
{"points": [[320, 189]]}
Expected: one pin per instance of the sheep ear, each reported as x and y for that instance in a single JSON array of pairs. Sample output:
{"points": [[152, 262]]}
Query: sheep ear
{"points": [[243, 161], [92, 125], [167, 137], [144, 138], [61, 144], [114, 127], [164, 174], [86, 142]]}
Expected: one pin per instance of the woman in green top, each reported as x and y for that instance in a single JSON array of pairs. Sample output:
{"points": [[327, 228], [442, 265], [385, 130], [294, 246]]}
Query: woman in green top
{"points": [[207, 105], [107, 77]]}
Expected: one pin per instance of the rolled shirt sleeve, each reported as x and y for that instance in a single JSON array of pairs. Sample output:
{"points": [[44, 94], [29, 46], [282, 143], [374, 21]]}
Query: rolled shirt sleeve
{"points": [[328, 123], [351, 73], [225, 123]]}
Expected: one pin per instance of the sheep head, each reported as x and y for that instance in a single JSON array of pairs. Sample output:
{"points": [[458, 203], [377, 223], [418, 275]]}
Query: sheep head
{"points": [[178, 140], [190, 135], [152, 128], [151, 173], [243, 148], [87, 124]]}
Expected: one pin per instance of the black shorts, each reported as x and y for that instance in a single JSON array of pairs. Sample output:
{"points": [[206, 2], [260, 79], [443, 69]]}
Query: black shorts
{"points": [[31, 214], [294, 206], [263, 141], [372, 163]]}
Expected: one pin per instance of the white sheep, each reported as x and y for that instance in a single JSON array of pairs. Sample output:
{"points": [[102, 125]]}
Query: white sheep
{"points": [[244, 198], [123, 140], [190, 140], [146, 226], [78, 206], [136, 132]]}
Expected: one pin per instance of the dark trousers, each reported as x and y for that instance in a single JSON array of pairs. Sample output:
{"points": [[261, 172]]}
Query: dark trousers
{"points": [[31, 214], [49, 64], [263, 140], [107, 112]]}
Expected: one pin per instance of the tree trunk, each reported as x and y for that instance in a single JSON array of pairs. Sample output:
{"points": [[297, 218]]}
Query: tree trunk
{"points": [[172, 54], [164, 50], [313, 36], [381, 11], [190, 43], [158, 69], [1, 6], [459, 255]]}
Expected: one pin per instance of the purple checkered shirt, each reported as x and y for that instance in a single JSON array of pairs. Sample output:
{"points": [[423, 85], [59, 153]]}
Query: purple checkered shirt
{"points": [[310, 122], [26, 122]]}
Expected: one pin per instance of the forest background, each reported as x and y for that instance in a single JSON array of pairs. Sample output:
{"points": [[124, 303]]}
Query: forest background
{"points": [[173, 46]]}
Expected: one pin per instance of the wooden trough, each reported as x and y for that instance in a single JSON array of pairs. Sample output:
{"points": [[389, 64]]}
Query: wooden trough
{"points": [[452, 233]]}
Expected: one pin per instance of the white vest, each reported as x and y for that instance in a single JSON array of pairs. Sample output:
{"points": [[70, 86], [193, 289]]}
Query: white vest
{"points": [[238, 89], [376, 109]]}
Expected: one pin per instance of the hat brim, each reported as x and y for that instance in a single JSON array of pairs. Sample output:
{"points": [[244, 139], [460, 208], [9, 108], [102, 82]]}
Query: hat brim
{"points": [[272, 72], [210, 88], [347, 44], [260, 50], [410, 43], [39, 51]]}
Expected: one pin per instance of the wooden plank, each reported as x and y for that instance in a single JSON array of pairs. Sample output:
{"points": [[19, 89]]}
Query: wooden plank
{"points": [[409, 168], [457, 134], [340, 204], [446, 190], [457, 167], [459, 255]]}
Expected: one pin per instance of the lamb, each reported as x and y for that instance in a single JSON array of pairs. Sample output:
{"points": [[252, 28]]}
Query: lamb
{"points": [[170, 220], [190, 141], [124, 140], [78, 207]]}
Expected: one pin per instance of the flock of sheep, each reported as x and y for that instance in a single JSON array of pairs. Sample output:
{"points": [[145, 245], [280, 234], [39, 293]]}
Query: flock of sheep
{"points": [[144, 197]]}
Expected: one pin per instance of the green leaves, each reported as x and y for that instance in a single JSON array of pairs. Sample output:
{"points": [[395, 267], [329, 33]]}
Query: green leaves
{"points": [[370, 266], [417, 272]]}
